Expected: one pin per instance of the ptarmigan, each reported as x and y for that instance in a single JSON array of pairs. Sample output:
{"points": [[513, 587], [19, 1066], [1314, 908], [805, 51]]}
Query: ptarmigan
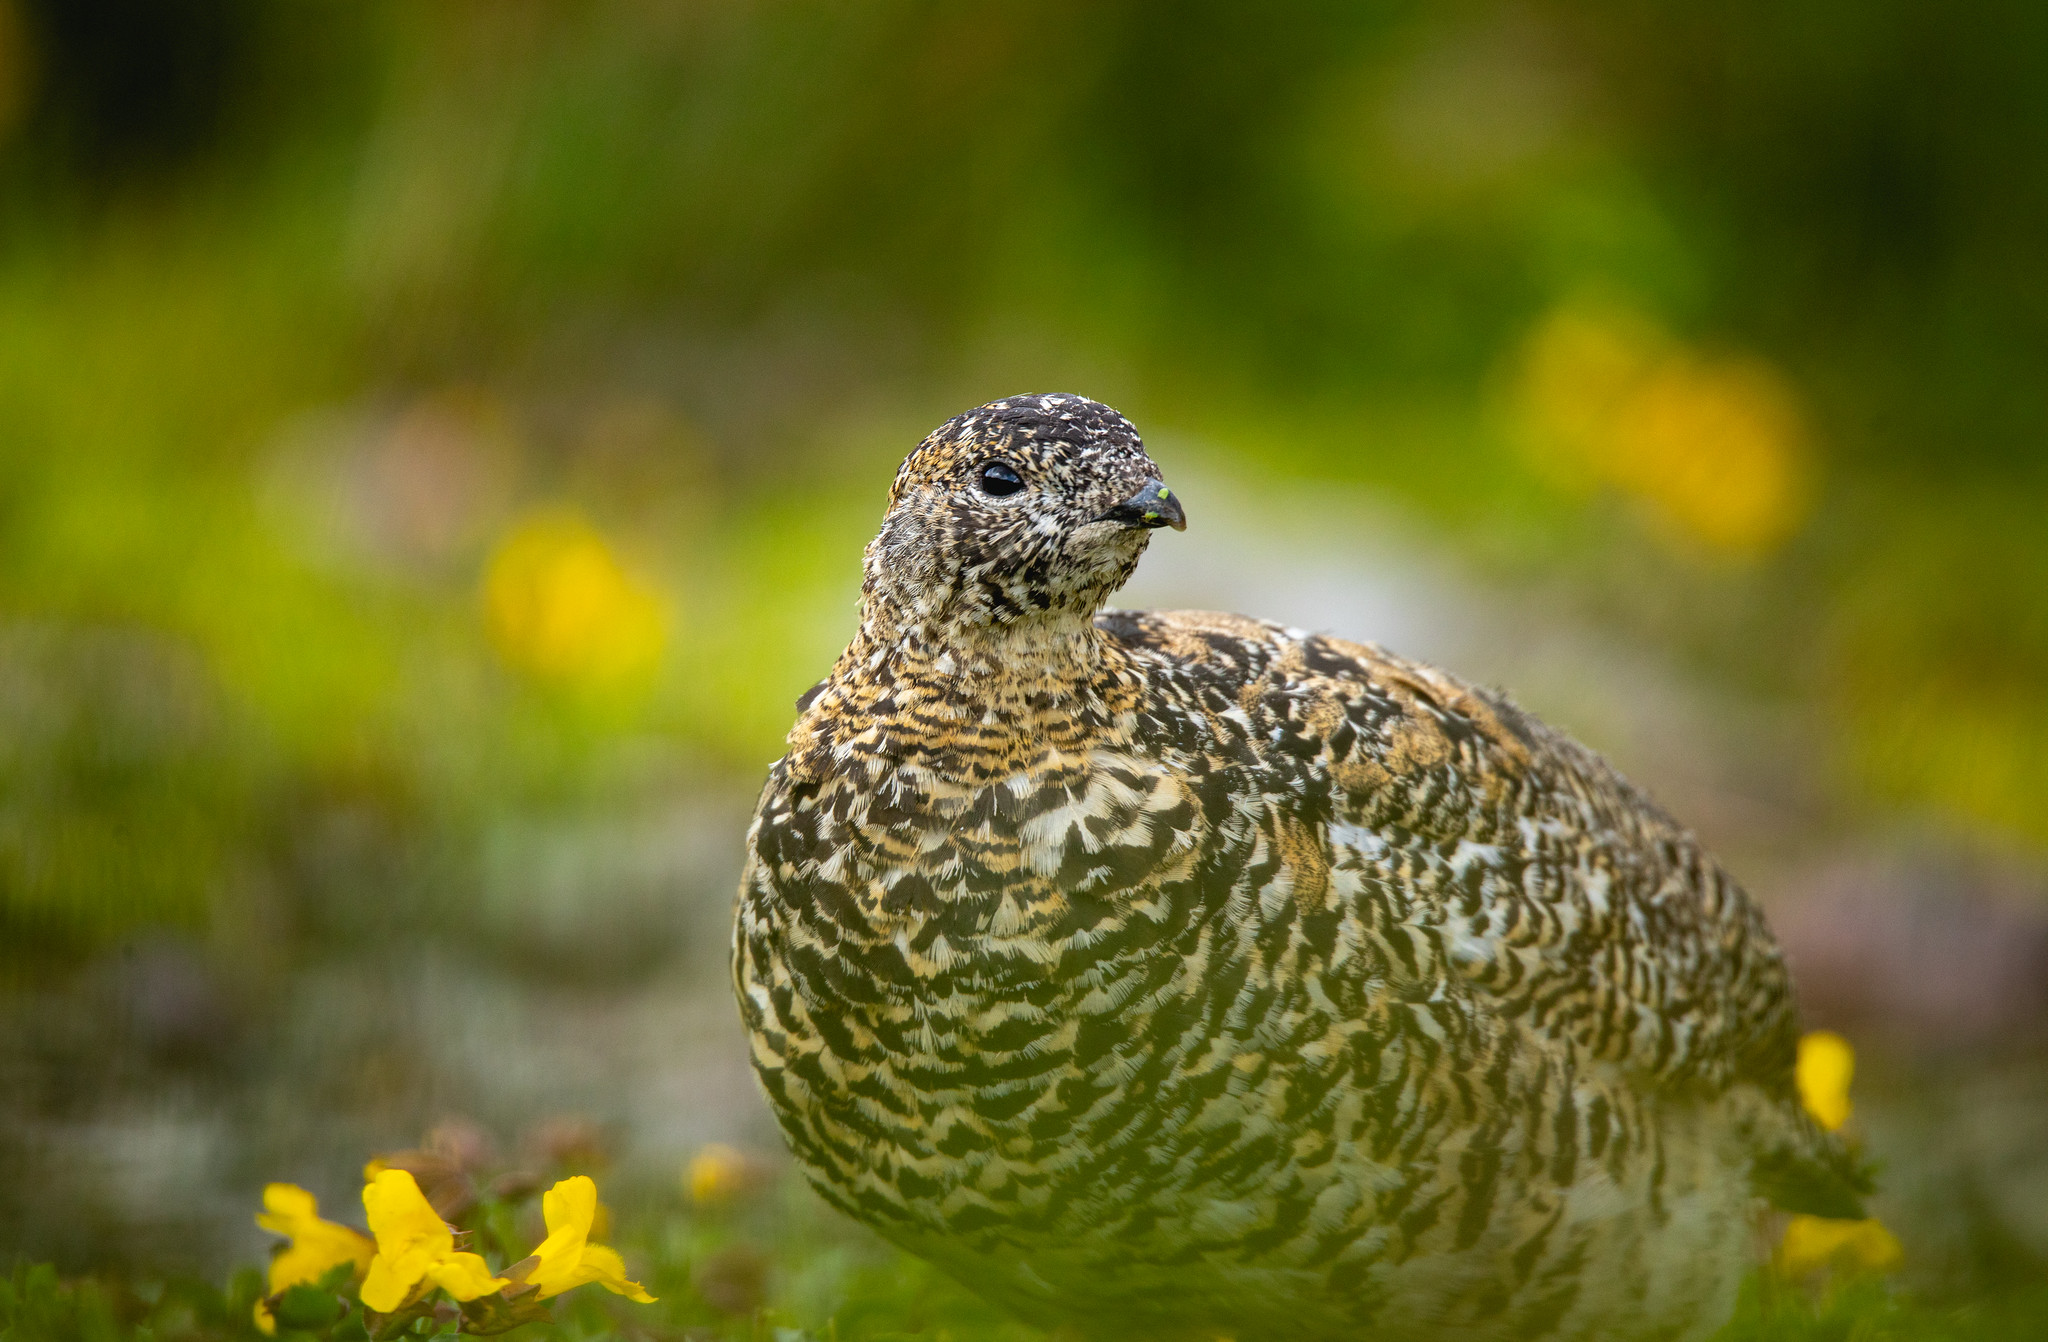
{"points": [[1181, 974]]}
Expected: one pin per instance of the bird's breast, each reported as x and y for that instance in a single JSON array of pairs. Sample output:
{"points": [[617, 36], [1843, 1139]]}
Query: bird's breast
{"points": [[1002, 856]]}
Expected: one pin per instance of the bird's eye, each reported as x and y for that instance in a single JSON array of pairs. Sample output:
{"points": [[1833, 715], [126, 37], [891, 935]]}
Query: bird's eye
{"points": [[999, 480]]}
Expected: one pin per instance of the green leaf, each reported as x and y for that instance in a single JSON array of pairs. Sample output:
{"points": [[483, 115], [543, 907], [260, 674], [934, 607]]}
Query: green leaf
{"points": [[307, 1307]]}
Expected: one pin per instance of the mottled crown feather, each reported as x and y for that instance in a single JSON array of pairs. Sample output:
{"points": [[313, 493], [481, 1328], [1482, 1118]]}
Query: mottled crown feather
{"points": [[1053, 423]]}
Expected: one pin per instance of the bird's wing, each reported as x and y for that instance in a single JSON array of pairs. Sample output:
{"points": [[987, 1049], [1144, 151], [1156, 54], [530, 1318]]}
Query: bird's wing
{"points": [[1548, 882]]}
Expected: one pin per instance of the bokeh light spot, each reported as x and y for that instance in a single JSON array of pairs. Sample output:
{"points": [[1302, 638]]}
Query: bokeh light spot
{"points": [[1825, 1066], [1716, 447], [561, 607], [1814, 1243]]}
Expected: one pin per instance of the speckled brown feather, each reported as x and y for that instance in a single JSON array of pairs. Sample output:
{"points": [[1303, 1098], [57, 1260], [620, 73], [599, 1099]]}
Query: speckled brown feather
{"points": [[1184, 974]]}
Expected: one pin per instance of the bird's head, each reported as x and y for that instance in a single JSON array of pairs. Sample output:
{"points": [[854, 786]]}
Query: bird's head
{"points": [[1027, 507]]}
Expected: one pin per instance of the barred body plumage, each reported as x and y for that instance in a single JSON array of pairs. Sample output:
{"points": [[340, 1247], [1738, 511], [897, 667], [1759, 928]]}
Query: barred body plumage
{"points": [[1179, 973]]}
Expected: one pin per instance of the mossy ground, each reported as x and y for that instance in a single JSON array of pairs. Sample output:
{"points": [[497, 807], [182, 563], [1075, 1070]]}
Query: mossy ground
{"points": [[718, 1282]]}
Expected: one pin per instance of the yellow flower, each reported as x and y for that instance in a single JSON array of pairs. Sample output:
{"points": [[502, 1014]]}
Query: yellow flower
{"points": [[414, 1247], [1716, 446], [1824, 1068], [1813, 1242], [561, 607], [718, 1174], [567, 1259], [316, 1248]]}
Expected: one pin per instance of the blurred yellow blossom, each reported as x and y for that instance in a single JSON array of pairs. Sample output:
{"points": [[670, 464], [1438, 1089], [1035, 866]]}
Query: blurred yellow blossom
{"points": [[1825, 1066], [415, 1248], [1813, 1242], [1715, 446], [567, 1259], [718, 1174], [560, 606], [316, 1247]]}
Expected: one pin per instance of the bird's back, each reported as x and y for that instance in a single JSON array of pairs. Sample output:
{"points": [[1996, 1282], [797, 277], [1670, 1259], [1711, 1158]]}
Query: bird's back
{"points": [[1560, 891]]}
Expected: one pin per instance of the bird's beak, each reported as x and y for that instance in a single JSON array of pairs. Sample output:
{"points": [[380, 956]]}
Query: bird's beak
{"points": [[1153, 506]]}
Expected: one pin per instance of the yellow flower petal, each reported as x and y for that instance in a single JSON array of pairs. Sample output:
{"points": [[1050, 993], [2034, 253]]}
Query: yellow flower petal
{"points": [[607, 1269], [1825, 1066], [1813, 1242], [414, 1246], [465, 1276], [266, 1322], [566, 1257], [286, 1207], [384, 1289], [565, 1278], [570, 1208], [401, 1217], [317, 1246]]}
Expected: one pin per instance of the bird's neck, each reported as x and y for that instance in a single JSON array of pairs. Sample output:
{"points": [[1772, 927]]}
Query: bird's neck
{"points": [[1050, 652], [972, 700]]}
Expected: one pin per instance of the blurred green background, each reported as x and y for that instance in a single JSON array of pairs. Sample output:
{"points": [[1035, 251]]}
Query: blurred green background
{"points": [[436, 442]]}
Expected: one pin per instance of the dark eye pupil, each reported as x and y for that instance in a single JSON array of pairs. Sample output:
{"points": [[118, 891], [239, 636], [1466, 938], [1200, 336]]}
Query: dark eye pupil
{"points": [[1000, 480]]}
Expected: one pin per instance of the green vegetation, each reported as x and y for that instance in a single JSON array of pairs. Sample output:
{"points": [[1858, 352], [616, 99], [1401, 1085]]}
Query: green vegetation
{"points": [[737, 1251], [855, 1293]]}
